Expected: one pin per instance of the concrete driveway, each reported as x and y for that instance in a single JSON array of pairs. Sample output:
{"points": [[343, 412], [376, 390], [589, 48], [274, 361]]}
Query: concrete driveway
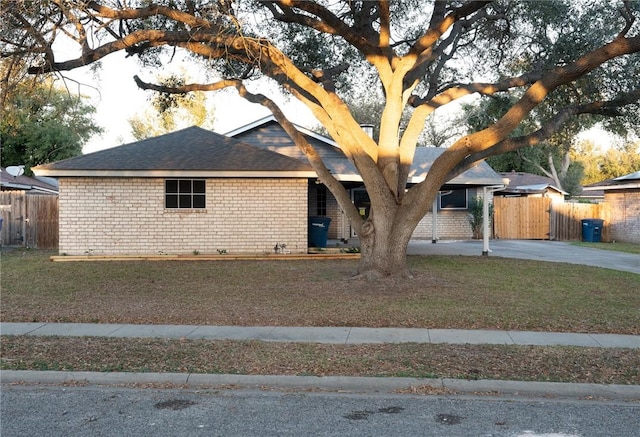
{"points": [[553, 251]]}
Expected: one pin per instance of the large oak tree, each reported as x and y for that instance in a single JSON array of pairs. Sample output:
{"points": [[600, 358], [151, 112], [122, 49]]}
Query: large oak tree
{"points": [[421, 55]]}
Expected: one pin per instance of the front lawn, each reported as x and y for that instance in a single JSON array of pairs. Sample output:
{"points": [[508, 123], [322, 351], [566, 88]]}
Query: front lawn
{"points": [[616, 247], [446, 292]]}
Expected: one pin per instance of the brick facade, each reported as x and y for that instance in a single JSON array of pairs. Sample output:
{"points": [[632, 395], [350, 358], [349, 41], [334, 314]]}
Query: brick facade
{"points": [[625, 214], [452, 224], [117, 216]]}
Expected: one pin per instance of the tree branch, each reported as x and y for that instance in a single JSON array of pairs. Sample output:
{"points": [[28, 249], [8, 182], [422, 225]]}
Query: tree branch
{"points": [[553, 126]]}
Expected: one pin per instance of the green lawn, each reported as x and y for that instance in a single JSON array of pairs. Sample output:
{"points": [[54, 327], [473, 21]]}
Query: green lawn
{"points": [[617, 246], [534, 363], [446, 292]]}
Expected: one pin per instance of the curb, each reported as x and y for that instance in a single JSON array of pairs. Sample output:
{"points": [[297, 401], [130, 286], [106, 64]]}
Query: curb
{"points": [[441, 386]]}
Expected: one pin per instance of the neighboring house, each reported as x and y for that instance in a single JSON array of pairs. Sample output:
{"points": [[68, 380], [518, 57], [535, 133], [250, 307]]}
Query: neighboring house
{"points": [[523, 184], [622, 194], [197, 191], [34, 185]]}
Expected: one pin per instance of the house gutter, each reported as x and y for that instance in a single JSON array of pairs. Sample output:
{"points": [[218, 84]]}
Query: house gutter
{"points": [[613, 187], [26, 187], [173, 173]]}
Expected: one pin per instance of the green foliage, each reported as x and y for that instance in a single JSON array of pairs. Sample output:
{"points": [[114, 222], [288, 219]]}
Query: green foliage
{"points": [[172, 111], [476, 215], [551, 159], [42, 123]]}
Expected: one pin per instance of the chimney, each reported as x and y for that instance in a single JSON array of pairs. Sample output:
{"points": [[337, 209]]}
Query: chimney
{"points": [[368, 129]]}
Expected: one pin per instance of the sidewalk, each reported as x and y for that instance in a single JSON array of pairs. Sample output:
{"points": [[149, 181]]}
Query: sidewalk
{"points": [[333, 335]]}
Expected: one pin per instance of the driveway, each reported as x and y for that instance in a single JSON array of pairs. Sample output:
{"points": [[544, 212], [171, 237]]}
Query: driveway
{"points": [[553, 251]]}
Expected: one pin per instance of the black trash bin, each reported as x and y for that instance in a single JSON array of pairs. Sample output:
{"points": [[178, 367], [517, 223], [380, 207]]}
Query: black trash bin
{"points": [[318, 228], [592, 230]]}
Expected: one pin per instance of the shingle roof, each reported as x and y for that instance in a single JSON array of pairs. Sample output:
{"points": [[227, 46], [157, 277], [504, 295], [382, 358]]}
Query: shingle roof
{"points": [[628, 181], [518, 178], [263, 133], [190, 149], [481, 174], [23, 182]]}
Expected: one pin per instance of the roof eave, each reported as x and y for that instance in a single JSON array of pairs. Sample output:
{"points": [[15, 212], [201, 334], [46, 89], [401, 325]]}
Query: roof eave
{"points": [[613, 187], [174, 173]]}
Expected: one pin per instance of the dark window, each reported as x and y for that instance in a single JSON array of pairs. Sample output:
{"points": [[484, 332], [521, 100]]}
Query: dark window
{"points": [[185, 193], [321, 199], [454, 199]]}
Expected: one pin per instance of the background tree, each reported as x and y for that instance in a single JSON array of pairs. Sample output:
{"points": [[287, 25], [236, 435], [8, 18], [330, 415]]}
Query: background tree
{"points": [[421, 55], [172, 111], [612, 162], [551, 158], [41, 123]]}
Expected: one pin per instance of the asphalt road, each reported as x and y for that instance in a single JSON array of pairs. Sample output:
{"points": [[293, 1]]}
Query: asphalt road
{"points": [[109, 411]]}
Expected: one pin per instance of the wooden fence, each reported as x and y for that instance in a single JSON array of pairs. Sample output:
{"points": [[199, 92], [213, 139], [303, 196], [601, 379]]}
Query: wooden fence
{"points": [[566, 220], [537, 218], [521, 218], [29, 220]]}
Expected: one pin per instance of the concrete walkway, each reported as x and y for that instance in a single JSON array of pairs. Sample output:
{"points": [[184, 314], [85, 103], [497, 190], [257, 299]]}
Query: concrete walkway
{"points": [[538, 250], [333, 335]]}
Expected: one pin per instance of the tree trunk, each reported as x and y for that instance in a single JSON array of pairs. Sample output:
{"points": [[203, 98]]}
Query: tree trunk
{"points": [[383, 247]]}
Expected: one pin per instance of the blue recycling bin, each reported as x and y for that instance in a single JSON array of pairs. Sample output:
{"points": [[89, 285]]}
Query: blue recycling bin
{"points": [[592, 230], [318, 229]]}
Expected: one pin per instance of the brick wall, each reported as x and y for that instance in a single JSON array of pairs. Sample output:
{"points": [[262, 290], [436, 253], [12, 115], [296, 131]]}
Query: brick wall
{"points": [[451, 225], [625, 215], [127, 216]]}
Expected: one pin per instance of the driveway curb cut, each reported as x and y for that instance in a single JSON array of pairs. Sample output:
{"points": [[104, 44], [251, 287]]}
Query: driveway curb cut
{"points": [[333, 383]]}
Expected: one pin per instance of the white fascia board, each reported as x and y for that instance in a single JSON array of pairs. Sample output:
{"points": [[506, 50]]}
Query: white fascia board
{"points": [[613, 187], [475, 182], [347, 177], [176, 174], [249, 126], [16, 186]]}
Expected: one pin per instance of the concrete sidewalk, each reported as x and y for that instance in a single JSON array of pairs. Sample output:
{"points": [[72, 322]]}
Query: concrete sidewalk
{"points": [[537, 250], [333, 335]]}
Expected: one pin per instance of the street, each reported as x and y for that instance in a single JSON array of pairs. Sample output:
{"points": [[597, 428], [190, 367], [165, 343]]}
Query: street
{"points": [[116, 411]]}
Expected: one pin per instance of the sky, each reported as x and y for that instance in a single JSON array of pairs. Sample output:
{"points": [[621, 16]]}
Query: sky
{"points": [[117, 98]]}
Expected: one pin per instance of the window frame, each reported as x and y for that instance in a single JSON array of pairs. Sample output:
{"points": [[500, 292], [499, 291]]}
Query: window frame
{"points": [[181, 194], [454, 208], [321, 200]]}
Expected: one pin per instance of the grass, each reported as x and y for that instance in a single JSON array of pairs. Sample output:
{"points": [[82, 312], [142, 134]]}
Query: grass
{"points": [[534, 363], [446, 292], [616, 247]]}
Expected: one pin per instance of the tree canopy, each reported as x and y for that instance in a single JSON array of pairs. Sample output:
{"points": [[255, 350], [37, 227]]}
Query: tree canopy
{"points": [[558, 60], [41, 122], [170, 111]]}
